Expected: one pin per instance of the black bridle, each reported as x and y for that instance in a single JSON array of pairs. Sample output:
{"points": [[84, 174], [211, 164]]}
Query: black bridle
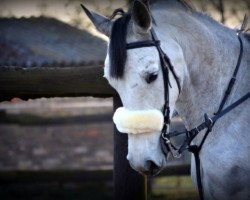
{"points": [[208, 123], [166, 66]]}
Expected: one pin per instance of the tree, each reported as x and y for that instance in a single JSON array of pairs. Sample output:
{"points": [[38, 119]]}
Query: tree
{"points": [[227, 10]]}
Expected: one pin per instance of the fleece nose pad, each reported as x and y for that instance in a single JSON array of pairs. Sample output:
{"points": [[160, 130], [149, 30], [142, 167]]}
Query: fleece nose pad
{"points": [[138, 121]]}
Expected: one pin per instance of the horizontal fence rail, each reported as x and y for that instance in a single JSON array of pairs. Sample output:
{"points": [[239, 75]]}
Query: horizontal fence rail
{"points": [[37, 82], [35, 120]]}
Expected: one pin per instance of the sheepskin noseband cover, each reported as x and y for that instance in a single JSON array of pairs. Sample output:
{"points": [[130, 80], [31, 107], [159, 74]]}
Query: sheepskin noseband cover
{"points": [[138, 121]]}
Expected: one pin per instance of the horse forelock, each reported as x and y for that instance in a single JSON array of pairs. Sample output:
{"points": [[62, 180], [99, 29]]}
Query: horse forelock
{"points": [[117, 46]]}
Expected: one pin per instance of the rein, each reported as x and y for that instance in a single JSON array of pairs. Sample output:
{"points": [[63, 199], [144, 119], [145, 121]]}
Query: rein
{"points": [[208, 123]]}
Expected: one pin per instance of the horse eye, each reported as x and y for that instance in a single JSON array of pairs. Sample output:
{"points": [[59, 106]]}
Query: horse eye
{"points": [[151, 77]]}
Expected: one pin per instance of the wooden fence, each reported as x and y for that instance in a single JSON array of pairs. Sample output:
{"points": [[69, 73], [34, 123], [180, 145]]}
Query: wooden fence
{"points": [[37, 82], [29, 83]]}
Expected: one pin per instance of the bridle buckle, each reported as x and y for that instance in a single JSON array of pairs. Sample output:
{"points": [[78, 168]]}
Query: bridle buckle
{"points": [[175, 153]]}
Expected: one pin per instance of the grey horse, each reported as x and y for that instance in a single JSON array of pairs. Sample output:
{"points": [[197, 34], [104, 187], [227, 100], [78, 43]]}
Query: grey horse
{"points": [[204, 54]]}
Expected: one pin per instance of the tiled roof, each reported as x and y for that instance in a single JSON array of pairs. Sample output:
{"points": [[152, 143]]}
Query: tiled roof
{"points": [[42, 41]]}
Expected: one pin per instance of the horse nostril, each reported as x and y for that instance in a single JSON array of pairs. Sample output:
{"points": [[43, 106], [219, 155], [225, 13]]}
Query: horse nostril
{"points": [[151, 167]]}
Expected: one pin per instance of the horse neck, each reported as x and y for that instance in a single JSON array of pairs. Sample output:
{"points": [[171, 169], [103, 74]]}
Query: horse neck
{"points": [[211, 53]]}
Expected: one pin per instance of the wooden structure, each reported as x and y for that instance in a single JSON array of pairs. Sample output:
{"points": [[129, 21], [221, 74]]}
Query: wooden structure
{"points": [[37, 82], [48, 58]]}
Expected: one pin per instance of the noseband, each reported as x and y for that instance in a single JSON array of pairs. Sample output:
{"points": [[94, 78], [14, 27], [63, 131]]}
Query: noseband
{"points": [[208, 123]]}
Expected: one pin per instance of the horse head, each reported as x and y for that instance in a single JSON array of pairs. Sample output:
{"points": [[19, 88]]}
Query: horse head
{"points": [[137, 76]]}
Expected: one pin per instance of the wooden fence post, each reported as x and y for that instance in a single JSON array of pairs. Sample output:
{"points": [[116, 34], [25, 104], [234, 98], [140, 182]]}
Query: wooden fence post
{"points": [[128, 184]]}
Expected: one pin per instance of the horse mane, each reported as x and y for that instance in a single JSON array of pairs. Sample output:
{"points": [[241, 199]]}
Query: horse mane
{"points": [[187, 4], [117, 45]]}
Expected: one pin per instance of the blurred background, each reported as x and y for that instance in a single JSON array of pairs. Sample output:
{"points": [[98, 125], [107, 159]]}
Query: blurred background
{"points": [[62, 148]]}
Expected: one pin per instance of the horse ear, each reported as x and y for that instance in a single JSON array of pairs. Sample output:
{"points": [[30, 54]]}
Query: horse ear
{"points": [[146, 2], [102, 24], [141, 16]]}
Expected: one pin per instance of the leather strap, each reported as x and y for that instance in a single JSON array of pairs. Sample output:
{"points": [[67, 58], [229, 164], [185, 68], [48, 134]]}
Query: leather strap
{"points": [[195, 150], [208, 123], [142, 44], [232, 81]]}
